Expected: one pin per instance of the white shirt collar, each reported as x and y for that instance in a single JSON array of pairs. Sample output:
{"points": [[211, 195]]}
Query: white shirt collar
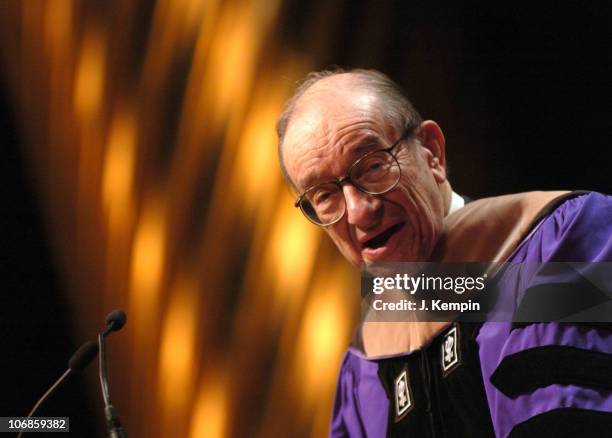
{"points": [[456, 203]]}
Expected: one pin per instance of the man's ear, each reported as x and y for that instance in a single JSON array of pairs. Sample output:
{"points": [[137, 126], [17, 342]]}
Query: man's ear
{"points": [[431, 138]]}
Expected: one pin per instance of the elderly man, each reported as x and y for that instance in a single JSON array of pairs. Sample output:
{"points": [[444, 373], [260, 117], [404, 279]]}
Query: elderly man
{"points": [[372, 173]]}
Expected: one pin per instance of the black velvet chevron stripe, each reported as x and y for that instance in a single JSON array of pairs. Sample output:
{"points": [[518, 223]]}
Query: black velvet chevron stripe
{"points": [[525, 371], [550, 302], [566, 423], [595, 325], [552, 205]]}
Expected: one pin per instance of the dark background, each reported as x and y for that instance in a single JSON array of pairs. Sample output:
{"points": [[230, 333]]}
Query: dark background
{"points": [[522, 93], [35, 351], [522, 90]]}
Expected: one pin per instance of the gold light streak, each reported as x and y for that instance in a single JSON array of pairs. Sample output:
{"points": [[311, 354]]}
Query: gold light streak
{"points": [[192, 11], [254, 187], [235, 52], [291, 253], [177, 352], [159, 50], [231, 62], [147, 267], [210, 415], [118, 171], [258, 177], [176, 26], [194, 108], [221, 78], [86, 130], [58, 30], [254, 180], [144, 296], [310, 352], [58, 23], [89, 82], [250, 189], [175, 23], [323, 335]]}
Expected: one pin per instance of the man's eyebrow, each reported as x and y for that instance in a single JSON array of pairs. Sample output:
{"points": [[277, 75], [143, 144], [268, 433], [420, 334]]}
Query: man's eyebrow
{"points": [[360, 148], [365, 144], [315, 179]]}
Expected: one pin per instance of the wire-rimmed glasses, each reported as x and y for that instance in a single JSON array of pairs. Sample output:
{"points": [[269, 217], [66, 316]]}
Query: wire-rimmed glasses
{"points": [[375, 173]]}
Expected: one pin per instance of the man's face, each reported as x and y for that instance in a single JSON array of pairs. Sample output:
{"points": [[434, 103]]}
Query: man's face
{"points": [[334, 124]]}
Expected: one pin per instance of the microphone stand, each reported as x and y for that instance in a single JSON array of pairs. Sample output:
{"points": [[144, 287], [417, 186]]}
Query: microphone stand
{"points": [[115, 429]]}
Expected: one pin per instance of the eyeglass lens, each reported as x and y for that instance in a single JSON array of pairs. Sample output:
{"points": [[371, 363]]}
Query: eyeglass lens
{"points": [[374, 174]]}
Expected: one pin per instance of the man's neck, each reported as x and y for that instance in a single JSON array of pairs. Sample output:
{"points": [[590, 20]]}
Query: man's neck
{"points": [[447, 196]]}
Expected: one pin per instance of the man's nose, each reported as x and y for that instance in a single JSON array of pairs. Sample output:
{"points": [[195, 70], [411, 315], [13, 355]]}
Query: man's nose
{"points": [[362, 210]]}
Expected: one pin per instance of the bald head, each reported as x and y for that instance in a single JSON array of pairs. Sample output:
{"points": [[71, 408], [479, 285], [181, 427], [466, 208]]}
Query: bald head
{"points": [[369, 90]]}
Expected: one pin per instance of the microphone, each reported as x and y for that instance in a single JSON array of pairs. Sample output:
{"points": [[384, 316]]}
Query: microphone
{"points": [[77, 362], [83, 356], [115, 321]]}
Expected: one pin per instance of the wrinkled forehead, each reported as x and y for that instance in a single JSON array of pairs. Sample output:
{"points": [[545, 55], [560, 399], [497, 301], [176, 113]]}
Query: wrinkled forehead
{"points": [[334, 120]]}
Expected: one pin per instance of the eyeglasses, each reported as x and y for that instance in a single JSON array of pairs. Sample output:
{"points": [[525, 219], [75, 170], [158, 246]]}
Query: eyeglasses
{"points": [[375, 173]]}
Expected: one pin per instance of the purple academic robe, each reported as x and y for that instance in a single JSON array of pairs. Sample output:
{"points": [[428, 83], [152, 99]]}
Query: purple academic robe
{"points": [[578, 230]]}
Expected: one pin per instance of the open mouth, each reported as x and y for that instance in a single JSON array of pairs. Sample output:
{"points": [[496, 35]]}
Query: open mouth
{"points": [[382, 238]]}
